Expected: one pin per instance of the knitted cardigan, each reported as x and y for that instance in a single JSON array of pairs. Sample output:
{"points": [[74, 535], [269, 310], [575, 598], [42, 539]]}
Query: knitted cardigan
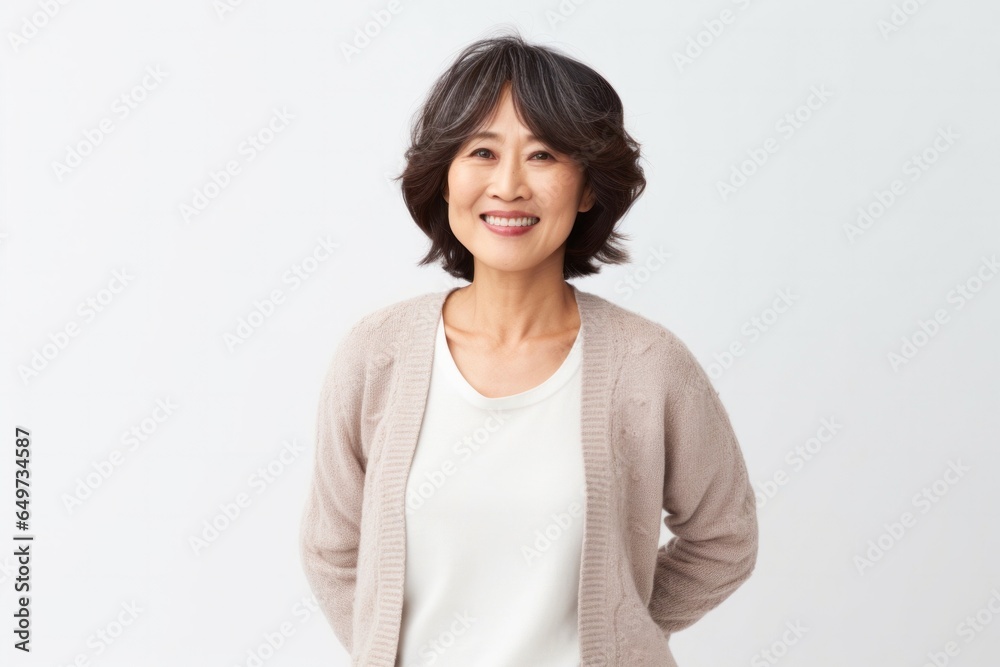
{"points": [[655, 436]]}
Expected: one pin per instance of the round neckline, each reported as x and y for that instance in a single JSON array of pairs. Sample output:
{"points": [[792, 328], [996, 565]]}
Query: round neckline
{"points": [[549, 386]]}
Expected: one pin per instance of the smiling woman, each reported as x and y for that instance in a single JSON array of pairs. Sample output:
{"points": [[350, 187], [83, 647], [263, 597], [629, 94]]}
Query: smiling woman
{"points": [[493, 461], [505, 163], [526, 117]]}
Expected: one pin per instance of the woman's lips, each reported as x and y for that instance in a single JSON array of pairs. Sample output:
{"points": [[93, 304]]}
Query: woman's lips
{"points": [[509, 230]]}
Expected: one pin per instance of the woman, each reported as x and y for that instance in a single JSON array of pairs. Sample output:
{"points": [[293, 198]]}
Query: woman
{"points": [[493, 460]]}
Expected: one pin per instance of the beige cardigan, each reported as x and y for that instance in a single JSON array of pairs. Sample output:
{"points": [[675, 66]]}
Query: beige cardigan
{"points": [[654, 436]]}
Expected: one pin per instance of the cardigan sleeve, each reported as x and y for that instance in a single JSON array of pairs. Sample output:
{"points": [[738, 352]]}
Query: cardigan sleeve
{"points": [[711, 509], [331, 523]]}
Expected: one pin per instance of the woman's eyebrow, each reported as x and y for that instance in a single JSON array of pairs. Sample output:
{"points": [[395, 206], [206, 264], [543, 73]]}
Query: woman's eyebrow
{"points": [[493, 135]]}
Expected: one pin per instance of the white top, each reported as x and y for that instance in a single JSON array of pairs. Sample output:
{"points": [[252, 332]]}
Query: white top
{"points": [[495, 504]]}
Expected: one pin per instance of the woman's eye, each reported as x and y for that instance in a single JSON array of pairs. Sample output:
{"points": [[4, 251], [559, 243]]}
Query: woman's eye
{"points": [[486, 152]]}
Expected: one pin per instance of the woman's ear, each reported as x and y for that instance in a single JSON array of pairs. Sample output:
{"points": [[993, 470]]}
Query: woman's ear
{"points": [[444, 192], [588, 199]]}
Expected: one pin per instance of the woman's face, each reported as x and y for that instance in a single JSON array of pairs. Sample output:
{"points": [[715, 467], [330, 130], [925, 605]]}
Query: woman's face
{"points": [[509, 172]]}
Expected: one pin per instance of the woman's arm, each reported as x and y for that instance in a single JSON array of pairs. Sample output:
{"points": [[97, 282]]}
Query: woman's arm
{"points": [[331, 523], [711, 508]]}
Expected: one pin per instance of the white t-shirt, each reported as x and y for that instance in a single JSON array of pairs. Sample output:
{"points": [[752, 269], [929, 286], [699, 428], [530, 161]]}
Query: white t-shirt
{"points": [[495, 504]]}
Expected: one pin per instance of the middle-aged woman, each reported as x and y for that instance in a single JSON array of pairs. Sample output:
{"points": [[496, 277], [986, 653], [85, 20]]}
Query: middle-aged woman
{"points": [[493, 460]]}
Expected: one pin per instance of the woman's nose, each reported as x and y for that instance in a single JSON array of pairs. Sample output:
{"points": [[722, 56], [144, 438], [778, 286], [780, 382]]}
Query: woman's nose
{"points": [[508, 180]]}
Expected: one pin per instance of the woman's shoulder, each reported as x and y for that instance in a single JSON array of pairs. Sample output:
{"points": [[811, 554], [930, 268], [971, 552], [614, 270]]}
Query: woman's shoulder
{"points": [[638, 331], [647, 340], [389, 324], [403, 315]]}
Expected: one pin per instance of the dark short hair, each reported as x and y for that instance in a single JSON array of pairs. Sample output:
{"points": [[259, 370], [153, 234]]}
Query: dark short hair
{"points": [[566, 104]]}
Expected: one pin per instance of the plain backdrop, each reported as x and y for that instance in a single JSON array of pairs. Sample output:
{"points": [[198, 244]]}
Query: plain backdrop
{"points": [[821, 199]]}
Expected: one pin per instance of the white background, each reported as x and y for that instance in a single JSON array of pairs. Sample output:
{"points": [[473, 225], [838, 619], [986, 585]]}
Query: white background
{"points": [[855, 298]]}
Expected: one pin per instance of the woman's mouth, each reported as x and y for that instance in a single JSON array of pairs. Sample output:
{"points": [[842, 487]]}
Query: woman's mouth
{"points": [[496, 221]]}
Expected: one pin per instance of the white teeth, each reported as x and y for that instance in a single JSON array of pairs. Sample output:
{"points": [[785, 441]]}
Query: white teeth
{"points": [[510, 222]]}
